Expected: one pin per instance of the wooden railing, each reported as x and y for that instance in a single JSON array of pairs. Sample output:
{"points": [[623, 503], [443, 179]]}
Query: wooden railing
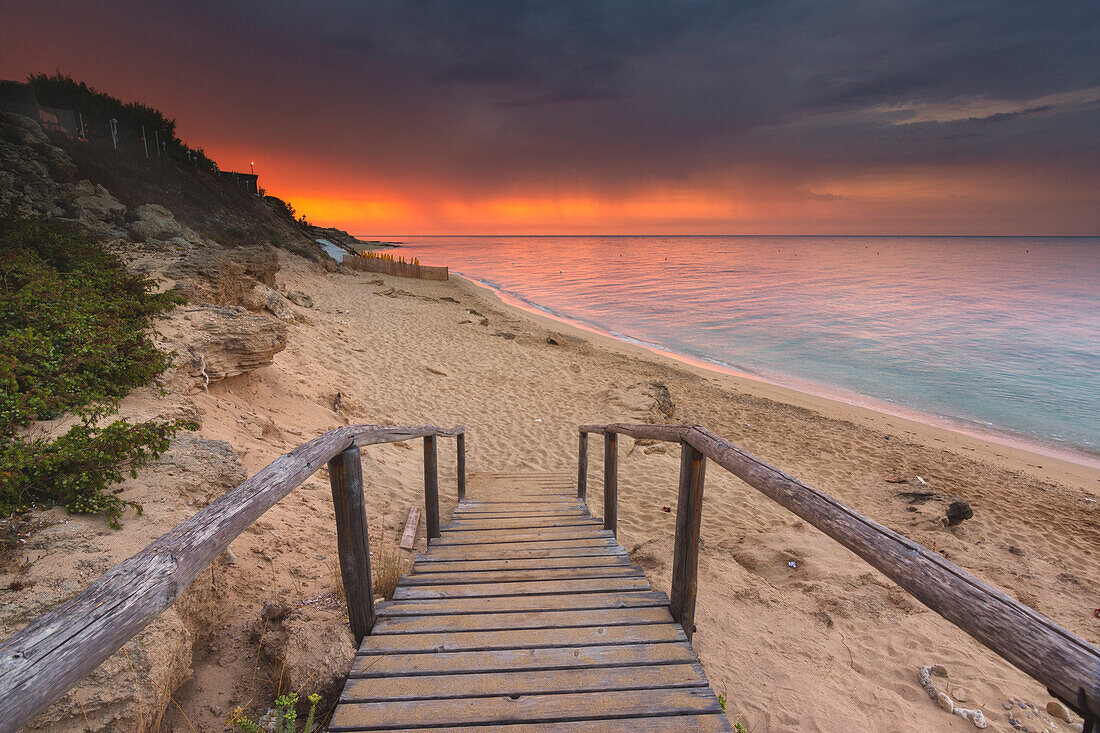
{"points": [[1068, 666], [41, 661]]}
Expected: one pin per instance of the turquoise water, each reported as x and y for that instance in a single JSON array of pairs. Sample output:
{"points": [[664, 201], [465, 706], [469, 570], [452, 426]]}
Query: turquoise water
{"points": [[998, 332]]}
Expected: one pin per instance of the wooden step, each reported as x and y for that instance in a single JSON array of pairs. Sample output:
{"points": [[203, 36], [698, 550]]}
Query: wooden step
{"points": [[526, 615], [502, 604], [522, 639], [518, 660], [508, 708]]}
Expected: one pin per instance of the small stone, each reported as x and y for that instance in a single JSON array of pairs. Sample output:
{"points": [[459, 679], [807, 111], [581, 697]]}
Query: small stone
{"points": [[957, 512], [1058, 710], [551, 341], [961, 694], [939, 670], [945, 702], [435, 370], [275, 610], [1008, 706]]}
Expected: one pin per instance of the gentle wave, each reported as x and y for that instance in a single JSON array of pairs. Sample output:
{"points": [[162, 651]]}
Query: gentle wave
{"points": [[999, 333]]}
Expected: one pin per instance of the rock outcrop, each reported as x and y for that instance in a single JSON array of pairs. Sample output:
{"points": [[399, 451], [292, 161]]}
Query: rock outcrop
{"points": [[39, 179], [226, 341], [154, 224], [313, 647], [275, 303]]}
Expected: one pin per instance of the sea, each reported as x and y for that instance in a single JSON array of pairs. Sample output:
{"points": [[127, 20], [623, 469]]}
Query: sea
{"points": [[1000, 335]]}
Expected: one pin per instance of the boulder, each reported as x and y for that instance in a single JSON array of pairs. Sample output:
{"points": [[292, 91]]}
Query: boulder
{"points": [[314, 648], [299, 299], [258, 263], [276, 303], [212, 465], [150, 221], [226, 341], [127, 692]]}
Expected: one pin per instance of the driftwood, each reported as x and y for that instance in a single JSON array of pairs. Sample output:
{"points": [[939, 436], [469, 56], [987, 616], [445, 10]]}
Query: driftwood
{"points": [[41, 661], [408, 537], [1068, 666]]}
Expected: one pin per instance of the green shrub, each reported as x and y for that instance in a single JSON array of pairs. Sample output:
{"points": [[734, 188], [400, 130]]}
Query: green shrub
{"points": [[73, 339], [286, 716], [61, 90]]}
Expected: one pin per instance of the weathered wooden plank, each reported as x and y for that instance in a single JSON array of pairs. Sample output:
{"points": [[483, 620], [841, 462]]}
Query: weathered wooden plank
{"points": [[482, 577], [521, 564], [501, 604], [408, 537], [582, 467], [460, 447], [352, 543], [46, 657], [468, 525], [435, 688], [519, 660], [516, 514], [522, 639], [553, 534], [611, 482], [530, 504], [541, 587], [1064, 663], [663, 724], [496, 550], [685, 557], [431, 488], [505, 709], [526, 620]]}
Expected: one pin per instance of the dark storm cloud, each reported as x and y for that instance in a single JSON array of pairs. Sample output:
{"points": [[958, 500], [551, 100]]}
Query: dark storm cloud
{"points": [[482, 95]]}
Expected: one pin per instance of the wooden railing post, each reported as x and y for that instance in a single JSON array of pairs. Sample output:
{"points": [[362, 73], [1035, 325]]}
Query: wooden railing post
{"points": [[611, 482], [685, 560], [431, 488], [345, 473], [460, 442], [582, 467]]}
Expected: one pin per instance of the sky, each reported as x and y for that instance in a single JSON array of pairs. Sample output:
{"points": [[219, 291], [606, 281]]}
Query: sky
{"points": [[418, 117]]}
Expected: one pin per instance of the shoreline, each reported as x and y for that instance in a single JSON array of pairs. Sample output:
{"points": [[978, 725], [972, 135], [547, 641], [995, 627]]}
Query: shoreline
{"points": [[1058, 463]]}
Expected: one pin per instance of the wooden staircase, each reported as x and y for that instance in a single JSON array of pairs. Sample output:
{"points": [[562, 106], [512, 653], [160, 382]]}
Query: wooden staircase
{"points": [[526, 615]]}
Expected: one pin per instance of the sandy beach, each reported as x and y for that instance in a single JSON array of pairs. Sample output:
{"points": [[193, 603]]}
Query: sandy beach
{"points": [[827, 645]]}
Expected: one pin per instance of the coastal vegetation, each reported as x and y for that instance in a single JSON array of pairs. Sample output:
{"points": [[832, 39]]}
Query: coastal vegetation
{"points": [[385, 257], [73, 341], [62, 91]]}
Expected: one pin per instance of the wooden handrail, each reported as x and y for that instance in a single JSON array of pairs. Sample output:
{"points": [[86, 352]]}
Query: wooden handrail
{"points": [[41, 661], [1067, 665]]}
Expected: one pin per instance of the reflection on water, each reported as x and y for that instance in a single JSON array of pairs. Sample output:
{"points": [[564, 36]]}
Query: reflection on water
{"points": [[1000, 331]]}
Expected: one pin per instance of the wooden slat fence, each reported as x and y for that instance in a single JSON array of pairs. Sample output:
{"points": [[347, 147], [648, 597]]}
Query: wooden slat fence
{"points": [[392, 267]]}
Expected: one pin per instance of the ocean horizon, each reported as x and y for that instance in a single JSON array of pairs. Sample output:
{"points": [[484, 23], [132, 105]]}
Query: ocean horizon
{"points": [[995, 334]]}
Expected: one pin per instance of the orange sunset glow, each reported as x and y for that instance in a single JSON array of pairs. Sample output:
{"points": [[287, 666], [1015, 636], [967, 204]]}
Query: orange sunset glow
{"points": [[656, 122]]}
